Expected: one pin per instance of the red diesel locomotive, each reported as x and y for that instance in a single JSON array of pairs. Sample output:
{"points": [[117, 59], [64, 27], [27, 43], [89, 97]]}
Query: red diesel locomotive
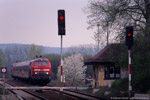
{"points": [[36, 70]]}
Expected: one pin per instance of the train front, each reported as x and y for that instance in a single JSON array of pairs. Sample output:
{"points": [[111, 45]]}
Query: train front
{"points": [[41, 70]]}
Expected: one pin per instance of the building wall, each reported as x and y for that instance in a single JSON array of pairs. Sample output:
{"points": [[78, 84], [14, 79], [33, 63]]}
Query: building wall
{"points": [[99, 76], [108, 82]]}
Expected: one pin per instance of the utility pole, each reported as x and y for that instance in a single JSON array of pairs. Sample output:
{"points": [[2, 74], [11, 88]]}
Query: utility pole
{"points": [[98, 40]]}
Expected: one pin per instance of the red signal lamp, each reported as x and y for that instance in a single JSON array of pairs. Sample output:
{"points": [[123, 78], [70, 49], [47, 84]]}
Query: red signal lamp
{"points": [[129, 34], [61, 17]]}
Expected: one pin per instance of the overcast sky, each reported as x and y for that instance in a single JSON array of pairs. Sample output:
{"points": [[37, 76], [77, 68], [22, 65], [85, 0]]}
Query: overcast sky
{"points": [[35, 21]]}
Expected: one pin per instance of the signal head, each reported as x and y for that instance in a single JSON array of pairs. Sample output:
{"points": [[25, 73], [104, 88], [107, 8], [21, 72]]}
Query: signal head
{"points": [[129, 36], [61, 22], [61, 18]]}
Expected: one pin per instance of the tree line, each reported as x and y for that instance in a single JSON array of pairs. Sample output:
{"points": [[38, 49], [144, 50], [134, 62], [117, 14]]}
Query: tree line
{"points": [[23, 53]]}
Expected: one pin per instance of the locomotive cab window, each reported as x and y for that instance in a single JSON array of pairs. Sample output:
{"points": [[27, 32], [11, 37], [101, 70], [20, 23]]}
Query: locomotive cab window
{"points": [[45, 63], [37, 63]]}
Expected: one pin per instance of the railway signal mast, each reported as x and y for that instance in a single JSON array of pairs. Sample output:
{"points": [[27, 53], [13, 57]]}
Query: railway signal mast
{"points": [[129, 43], [61, 32]]}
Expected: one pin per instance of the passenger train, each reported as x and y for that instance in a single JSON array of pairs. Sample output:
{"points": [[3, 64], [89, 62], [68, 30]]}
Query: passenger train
{"points": [[37, 70]]}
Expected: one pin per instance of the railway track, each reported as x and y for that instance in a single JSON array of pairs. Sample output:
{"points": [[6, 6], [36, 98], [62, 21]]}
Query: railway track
{"points": [[52, 94], [79, 95], [23, 94], [82, 96], [34, 95]]}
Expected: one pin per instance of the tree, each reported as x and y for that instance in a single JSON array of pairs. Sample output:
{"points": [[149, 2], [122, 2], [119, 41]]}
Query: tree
{"points": [[35, 51], [15, 54], [87, 49], [117, 14], [55, 62], [2, 58], [73, 68], [100, 37]]}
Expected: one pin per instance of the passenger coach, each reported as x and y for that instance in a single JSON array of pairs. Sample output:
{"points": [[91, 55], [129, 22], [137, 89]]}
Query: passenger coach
{"points": [[36, 70]]}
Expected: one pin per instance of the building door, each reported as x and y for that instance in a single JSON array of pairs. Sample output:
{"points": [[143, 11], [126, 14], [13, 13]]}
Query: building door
{"points": [[101, 76]]}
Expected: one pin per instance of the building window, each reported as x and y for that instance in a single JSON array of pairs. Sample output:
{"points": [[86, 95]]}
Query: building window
{"points": [[112, 73]]}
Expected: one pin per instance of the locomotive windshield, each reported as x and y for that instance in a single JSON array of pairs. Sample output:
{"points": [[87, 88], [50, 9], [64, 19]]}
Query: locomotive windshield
{"points": [[45, 63], [38, 63]]}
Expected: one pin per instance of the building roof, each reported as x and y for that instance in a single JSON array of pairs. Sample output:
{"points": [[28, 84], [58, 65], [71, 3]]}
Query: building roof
{"points": [[106, 55]]}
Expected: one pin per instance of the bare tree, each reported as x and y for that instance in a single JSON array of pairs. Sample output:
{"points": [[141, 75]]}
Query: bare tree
{"points": [[35, 51], [17, 53], [2, 58], [115, 15], [100, 37], [85, 49]]}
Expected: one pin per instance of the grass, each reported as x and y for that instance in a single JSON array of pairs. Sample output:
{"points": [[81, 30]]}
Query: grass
{"points": [[88, 91], [119, 88], [114, 91], [54, 83], [101, 92], [1, 92], [57, 83]]}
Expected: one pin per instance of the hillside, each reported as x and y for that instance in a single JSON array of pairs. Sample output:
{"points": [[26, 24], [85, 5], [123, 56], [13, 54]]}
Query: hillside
{"points": [[46, 50]]}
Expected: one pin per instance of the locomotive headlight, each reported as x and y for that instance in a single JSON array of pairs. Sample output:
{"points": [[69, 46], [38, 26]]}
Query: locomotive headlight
{"points": [[47, 73], [35, 72], [46, 69], [36, 69]]}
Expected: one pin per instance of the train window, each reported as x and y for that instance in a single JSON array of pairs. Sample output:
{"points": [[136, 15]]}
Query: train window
{"points": [[45, 63], [37, 63], [25, 68], [30, 63]]}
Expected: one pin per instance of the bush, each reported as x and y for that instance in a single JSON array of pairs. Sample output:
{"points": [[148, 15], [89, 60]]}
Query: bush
{"points": [[119, 88], [141, 82], [120, 85], [116, 85]]}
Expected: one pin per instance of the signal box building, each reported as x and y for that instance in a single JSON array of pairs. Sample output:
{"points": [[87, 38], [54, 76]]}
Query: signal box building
{"points": [[104, 69]]}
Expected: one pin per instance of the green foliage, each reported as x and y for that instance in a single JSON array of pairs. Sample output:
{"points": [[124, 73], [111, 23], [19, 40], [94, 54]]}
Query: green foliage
{"points": [[140, 65], [119, 88], [141, 82], [115, 84], [116, 14], [55, 62], [119, 55], [102, 91], [34, 50], [120, 85], [2, 58]]}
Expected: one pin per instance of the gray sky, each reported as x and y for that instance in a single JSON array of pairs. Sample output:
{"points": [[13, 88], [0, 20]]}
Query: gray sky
{"points": [[35, 21]]}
